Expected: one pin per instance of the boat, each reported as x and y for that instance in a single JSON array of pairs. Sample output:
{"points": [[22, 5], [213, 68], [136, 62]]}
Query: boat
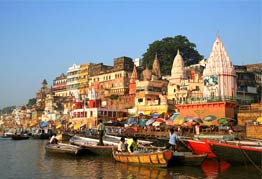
{"points": [[117, 139], [91, 145], [187, 158], [154, 158], [63, 148], [42, 134], [199, 147], [7, 135], [245, 142], [237, 154], [20, 136]]}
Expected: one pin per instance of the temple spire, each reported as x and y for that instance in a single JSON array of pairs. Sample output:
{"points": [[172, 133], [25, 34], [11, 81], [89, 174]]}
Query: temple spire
{"points": [[156, 68]]}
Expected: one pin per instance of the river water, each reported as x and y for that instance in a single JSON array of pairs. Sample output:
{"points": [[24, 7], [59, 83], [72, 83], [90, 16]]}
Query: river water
{"points": [[27, 159]]}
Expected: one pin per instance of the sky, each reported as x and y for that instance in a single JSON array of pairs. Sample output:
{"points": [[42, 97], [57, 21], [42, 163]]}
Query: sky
{"points": [[42, 39]]}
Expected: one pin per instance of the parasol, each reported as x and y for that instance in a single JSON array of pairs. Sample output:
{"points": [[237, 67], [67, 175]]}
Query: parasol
{"points": [[170, 122], [142, 123], [150, 121], [43, 124], [259, 119], [156, 123], [154, 115], [160, 120], [209, 118]]}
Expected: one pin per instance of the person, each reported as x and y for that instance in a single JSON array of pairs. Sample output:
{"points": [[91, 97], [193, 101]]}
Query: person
{"points": [[121, 146], [197, 128], [53, 140], [101, 130], [132, 145], [172, 143]]}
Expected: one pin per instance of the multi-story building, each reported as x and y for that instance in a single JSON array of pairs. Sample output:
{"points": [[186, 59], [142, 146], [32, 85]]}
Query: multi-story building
{"points": [[151, 91], [112, 83], [59, 85], [72, 81], [246, 86], [83, 77]]}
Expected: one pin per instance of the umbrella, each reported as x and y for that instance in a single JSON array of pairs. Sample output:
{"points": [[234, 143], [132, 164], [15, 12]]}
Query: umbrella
{"points": [[170, 122], [155, 115], [223, 120], [188, 118], [174, 116], [178, 120], [192, 119], [160, 120], [156, 123], [259, 119], [209, 118], [197, 119], [43, 124], [150, 121], [142, 123], [131, 120]]}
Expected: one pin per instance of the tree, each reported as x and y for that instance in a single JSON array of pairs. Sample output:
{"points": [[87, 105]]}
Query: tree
{"points": [[166, 50], [8, 109], [31, 102]]}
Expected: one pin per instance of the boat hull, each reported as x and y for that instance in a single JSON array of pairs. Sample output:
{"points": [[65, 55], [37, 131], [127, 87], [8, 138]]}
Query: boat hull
{"points": [[159, 159], [199, 147], [63, 149], [237, 154], [19, 137], [90, 145], [187, 158]]}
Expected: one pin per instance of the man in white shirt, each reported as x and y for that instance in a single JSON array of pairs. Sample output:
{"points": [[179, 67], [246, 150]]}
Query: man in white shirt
{"points": [[172, 143], [121, 146]]}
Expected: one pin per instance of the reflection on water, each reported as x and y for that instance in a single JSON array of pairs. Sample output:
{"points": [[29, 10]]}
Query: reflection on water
{"points": [[27, 159]]}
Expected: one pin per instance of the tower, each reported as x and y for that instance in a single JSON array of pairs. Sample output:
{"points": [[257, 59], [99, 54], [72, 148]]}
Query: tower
{"points": [[219, 76]]}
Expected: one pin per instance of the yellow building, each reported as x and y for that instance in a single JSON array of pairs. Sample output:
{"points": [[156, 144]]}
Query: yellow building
{"points": [[83, 76]]}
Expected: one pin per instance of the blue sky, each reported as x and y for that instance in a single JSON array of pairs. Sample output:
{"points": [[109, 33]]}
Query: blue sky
{"points": [[41, 39]]}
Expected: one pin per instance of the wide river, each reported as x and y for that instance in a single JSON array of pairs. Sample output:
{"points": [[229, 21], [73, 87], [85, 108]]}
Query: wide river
{"points": [[27, 159]]}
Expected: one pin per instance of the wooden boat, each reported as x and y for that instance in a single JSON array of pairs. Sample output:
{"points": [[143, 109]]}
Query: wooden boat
{"points": [[20, 137], [245, 142], [155, 158], [63, 148], [199, 147], [7, 135], [91, 145], [187, 158], [237, 154], [117, 139]]}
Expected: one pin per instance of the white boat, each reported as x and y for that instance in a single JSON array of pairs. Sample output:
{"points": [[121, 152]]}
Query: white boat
{"points": [[117, 139], [63, 148]]}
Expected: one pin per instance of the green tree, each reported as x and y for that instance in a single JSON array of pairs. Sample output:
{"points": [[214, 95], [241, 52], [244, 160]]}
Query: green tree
{"points": [[166, 50], [31, 102], [8, 109]]}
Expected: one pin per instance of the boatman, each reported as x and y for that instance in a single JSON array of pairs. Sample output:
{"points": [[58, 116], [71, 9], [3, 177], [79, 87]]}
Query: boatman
{"points": [[121, 147], [172, 143], [101, 130], [132, 145]]}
